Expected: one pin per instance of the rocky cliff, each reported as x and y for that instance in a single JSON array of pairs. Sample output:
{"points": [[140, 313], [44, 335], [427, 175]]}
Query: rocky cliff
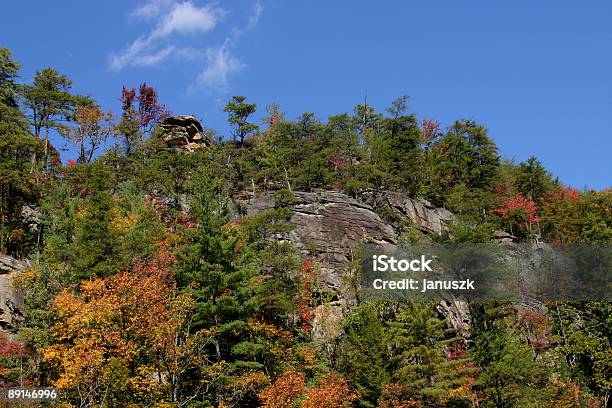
{"points": [[11, 299], [330, 226]]}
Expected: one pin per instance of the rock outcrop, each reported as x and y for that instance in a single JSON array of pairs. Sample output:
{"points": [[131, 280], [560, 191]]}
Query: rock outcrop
{"points": [[331, 220], [184, 133], [502, 237], [416, 211], [10, 265], [11, 299], [328, 228]]}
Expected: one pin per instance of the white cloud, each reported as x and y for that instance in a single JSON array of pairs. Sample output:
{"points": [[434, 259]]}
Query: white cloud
{"points": [[221, 64], [171, 21], [129, 55], [171, 18], [185, 18], [152, 8], [254, 18], [155, 58]]}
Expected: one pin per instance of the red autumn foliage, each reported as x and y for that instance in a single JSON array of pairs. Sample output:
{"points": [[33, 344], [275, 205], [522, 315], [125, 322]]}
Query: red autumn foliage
{"points": [[430, 131], [305, 308], [10, 348], [519, 208], [564, 194], [145, 104]]}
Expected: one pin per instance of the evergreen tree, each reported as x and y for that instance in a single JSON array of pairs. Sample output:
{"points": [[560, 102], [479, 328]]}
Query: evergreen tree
{"points": [[219, 271], [430, 362], [471, 156], [509, 377], [239, 112], [18, 185], [403, 134], [49, 103], [532, 180], [95, 246], [364, 353]]}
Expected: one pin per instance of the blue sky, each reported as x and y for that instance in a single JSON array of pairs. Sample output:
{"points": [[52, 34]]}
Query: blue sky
{"points": [[537, 74]]}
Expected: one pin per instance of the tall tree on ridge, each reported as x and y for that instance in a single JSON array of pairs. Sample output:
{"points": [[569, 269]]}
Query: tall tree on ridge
{"points": [[49, 102], [93, 127], [142, 111], [239, 112], [17, 147]]}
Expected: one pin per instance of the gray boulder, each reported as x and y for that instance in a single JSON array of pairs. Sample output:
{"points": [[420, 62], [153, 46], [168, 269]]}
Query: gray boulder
{"points": [[11, 298], [184, 133]]}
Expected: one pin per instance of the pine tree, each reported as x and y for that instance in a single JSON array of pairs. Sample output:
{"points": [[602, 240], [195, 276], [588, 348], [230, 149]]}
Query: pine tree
{"points": [[239, 113], [49, 103], [219, 271], [96, 245], [532, 180], [429, 359], [364, 353], [509, 376], [18, 186]]}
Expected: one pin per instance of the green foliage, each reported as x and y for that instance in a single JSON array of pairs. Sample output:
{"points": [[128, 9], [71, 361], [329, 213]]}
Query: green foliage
{"points": [[49, 103], [532, 180], [429, 359], [96, 242], [364, 353], [466, 232], [510, 376], [18, 150], [241, 285], [239, 112], [584, 332]]}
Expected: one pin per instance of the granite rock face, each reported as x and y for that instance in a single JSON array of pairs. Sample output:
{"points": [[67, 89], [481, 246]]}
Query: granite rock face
{"points": [[416, 211], [11, 299], [328, 228], [184, 133], [10, 265]]}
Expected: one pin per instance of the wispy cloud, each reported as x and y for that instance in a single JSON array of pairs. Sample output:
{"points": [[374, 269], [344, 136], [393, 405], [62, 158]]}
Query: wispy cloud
{"points": [[254, 18], [171, 22], [171, 19], [152, 8], [221, 64], [185, 18]]}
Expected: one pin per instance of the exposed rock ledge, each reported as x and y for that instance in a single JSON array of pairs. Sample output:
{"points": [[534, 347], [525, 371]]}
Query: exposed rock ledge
{"points": [[330, 221], [11, 299], [328, 226], [418, 211], [184, 133]]}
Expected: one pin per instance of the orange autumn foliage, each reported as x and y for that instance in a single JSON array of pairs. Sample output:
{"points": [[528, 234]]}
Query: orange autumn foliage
{"points": [[285, 391], [392, 398], [133, 320], [332, 392], [304, 305]]}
